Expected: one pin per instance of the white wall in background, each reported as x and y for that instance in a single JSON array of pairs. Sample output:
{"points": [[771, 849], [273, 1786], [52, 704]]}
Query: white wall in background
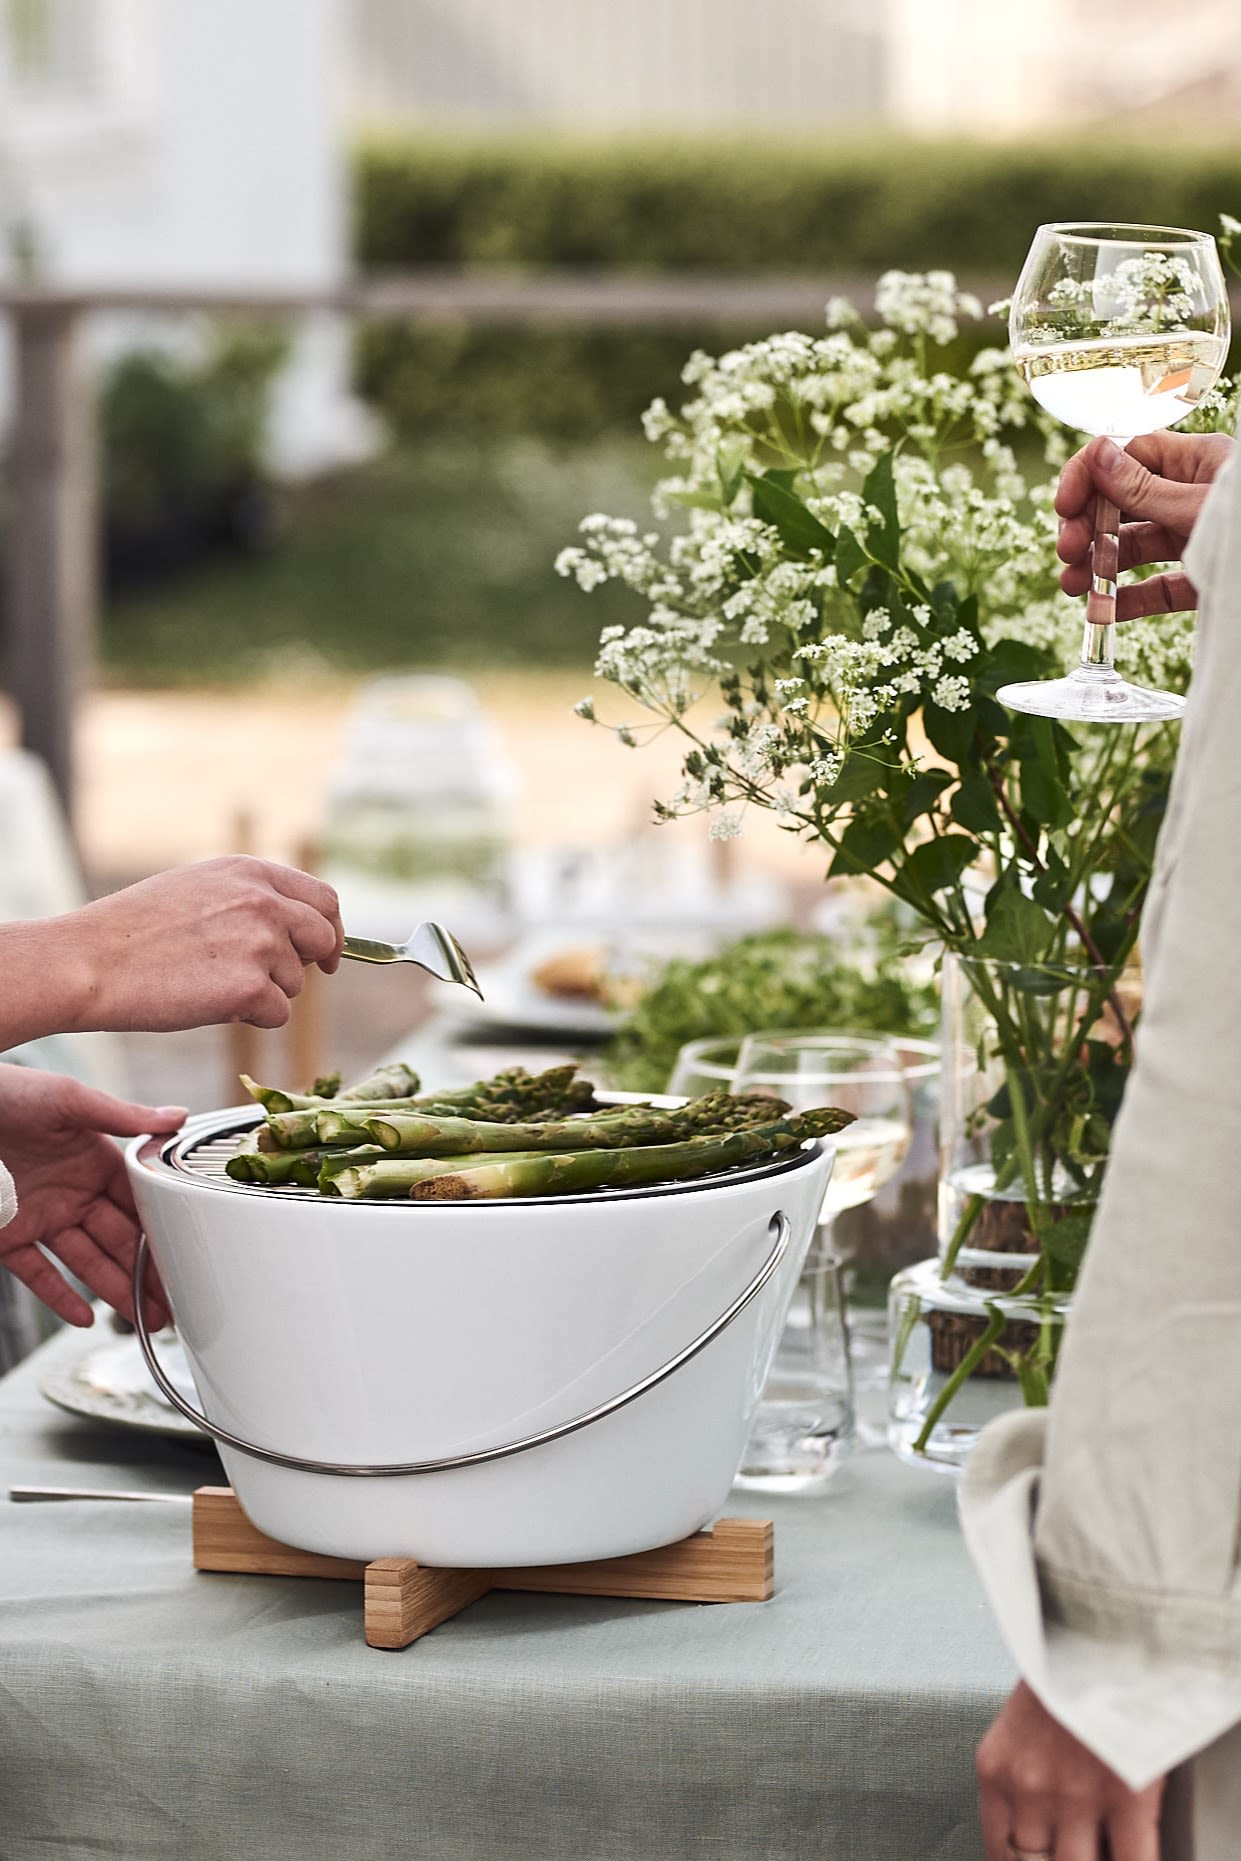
{"points": [[982, 67], [990, 68], [691, 65], [939, 67], [182, 142]]}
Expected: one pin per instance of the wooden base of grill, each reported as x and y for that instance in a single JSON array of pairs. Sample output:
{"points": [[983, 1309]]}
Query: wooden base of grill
{"points": [[733, 1562]]}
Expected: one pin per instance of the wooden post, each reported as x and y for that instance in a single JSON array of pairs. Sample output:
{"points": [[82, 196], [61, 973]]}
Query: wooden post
{"points": [[52, 588]]}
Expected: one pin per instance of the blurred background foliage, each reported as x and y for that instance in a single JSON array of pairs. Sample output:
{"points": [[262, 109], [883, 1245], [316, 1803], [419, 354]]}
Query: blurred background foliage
{"points": [[182, 439], [503, 436]]}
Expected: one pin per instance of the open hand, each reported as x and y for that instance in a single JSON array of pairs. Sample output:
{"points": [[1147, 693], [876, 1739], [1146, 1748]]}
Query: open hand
{"points": [[1159, 483], [73, 1196], [1044, 1792]]}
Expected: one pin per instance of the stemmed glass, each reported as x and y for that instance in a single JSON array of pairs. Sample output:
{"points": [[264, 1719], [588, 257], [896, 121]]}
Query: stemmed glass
{"points": [[805, 1419], [1119, 330]]}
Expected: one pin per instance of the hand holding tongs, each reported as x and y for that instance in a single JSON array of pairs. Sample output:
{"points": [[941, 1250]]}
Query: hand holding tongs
{"points": [[430, 946]]}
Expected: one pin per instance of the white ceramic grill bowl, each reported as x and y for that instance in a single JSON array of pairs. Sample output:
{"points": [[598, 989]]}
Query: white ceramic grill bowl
{"points": [[389, 1332]]}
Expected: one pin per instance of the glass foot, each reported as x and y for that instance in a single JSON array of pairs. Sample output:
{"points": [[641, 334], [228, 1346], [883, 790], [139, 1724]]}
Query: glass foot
{"points": [[1092, 695]]}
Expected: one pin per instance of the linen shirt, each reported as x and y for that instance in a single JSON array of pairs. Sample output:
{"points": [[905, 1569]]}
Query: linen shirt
{"points": [[1106, 1527]]}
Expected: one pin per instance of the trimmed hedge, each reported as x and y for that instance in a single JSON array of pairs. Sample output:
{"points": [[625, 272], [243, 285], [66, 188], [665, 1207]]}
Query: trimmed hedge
{"points": [[564, 384], [848, 211]]}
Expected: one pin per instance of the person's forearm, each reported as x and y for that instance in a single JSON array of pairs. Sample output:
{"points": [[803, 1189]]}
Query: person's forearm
{"points": [[47, 981]]}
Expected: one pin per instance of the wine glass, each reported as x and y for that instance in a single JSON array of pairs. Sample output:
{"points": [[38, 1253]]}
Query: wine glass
{"points": [[707, 1065], [805, 1420], [1119, 330]]}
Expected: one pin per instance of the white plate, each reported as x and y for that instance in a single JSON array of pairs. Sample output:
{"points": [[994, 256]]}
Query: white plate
{"points": [[112, 1384], [513, 999]]}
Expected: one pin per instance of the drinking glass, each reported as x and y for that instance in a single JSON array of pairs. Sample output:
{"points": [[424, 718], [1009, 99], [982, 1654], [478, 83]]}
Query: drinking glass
{"points": [[1119, 330], [806, 1420], [708, 1065]]}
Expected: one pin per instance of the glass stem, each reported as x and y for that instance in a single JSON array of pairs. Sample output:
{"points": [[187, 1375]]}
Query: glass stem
{"points": [[1098, 635], [823, 1257]]}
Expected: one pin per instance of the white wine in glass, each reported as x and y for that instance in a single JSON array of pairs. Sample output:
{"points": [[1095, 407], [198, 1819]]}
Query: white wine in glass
{"points": [[1119, 330]]}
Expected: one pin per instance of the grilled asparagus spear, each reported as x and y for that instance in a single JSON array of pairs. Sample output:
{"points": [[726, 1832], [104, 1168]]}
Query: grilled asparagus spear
{"points": [[387, 1177], [395, 1081], [388, 1082], [503, 1100], [408, 1134], [303, 1167], [563, 1172]]}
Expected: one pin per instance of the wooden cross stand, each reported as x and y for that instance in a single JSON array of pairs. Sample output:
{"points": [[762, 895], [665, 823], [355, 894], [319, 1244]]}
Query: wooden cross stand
{"points": [[733, 1562]]}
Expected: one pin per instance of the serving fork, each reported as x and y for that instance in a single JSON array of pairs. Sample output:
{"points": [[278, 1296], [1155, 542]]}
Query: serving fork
{"points": [[430, 946]]}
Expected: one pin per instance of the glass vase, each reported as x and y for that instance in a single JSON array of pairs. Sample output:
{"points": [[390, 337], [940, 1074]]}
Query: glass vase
{"points": [[935, 1325], [1034, 1063], [1035, 1059]]}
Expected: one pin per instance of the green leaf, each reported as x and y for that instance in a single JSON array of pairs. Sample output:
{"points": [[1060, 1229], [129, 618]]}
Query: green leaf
{"points": [[850, 556], [951, 733], [974, 805], [799, 529], [879, 488], [990, 716], [938, 864], [1053, 888], [867, 842], [1009, 662], [697, 500], [1018, 930], [730, 468], [1042, 981], [1043, 795], [923, 792]]}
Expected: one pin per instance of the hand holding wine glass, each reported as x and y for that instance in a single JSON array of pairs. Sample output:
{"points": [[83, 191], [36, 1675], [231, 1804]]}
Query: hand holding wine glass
{"points": [[1120, 331], [1160, 482]]}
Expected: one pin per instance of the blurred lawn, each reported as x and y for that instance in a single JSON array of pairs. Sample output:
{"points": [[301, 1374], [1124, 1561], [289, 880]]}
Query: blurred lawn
{"points": [[439, 555]]}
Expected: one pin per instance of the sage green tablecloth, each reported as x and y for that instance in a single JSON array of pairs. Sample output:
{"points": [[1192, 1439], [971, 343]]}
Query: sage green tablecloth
{"points": [[149, 1714]]}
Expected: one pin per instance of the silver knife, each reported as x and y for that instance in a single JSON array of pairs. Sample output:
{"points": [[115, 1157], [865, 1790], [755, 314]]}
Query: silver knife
{"points": [[36, 1495]]}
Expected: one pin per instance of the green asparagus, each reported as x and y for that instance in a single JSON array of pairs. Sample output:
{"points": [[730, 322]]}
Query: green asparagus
{"points": [[562, 1173], [290, 1166], [394, 1081], [391, 1176], [412, 1136], [516, 1134], [377, 1088]]}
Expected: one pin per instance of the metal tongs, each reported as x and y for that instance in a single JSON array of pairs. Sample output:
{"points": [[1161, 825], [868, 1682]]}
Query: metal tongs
{"points": [[430, 946]]}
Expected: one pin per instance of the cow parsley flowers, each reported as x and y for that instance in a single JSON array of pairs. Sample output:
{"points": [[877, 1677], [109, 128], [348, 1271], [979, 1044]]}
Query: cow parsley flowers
{"points": [[855, 548]]}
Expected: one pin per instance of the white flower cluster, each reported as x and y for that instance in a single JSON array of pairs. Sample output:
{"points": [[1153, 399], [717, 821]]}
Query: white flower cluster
{"points": [[1154, 291], [924, 303], [827, 669]]}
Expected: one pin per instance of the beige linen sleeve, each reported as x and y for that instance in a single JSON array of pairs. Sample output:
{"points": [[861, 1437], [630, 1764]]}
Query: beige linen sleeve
{"points": [[1106, 1528]]}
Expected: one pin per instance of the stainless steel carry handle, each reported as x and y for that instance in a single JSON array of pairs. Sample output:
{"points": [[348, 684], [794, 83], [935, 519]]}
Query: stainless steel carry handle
{"points": [[780, 1228]]}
